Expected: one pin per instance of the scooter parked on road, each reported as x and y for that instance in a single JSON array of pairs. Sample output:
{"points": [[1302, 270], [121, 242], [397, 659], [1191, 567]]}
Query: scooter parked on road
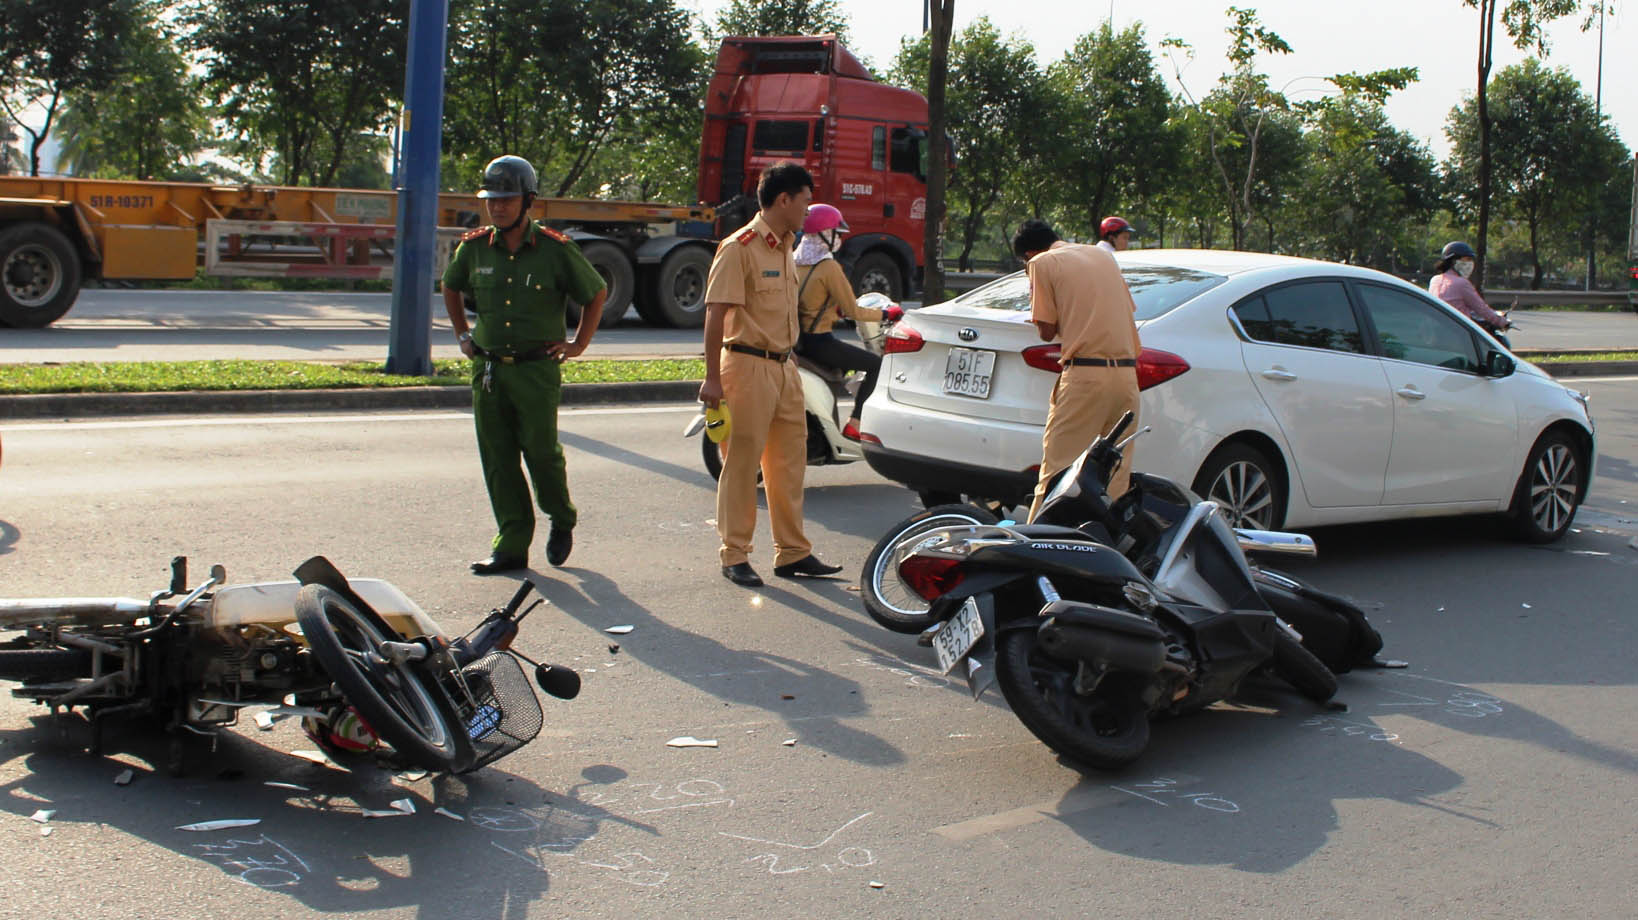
{"points": [[824, 391], [1148, 608], [336, 651]]}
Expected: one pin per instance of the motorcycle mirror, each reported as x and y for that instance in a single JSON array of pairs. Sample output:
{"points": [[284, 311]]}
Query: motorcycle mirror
{"points": [[558, 680]]}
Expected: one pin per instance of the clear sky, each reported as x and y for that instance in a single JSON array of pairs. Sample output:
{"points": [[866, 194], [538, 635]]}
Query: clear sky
{"points": [[1326, 36]]}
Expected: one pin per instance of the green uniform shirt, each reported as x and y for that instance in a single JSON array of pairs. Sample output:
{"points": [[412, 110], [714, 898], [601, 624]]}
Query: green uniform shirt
{"points": [[521, 294]]}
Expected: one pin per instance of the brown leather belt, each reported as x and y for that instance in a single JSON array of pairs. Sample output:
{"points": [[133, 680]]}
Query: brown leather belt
{"points": [[534, 354], [1102, 362], [780, 356]]}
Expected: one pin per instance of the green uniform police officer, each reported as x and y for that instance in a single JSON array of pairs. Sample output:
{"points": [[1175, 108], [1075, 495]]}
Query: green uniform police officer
{"points": [[520, 273]]}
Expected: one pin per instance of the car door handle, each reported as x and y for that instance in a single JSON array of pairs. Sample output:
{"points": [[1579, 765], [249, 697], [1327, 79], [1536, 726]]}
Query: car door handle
{"points": [[1410, 392], [1279, 373]]}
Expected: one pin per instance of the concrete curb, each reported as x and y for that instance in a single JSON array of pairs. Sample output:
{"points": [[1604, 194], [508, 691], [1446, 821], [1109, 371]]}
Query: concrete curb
{"points": [[78, 405], [82, 405]]}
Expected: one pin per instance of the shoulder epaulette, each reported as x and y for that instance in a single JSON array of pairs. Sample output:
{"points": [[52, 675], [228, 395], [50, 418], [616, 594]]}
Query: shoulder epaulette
{"points": [[746, 237], [474, 234], [554, 234]]}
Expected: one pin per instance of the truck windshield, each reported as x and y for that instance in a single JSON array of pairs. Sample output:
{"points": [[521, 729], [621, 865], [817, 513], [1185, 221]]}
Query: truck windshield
{"points": [[1156, 289]]}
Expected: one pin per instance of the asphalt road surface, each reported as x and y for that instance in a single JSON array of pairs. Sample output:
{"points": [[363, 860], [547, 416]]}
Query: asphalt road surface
{"points": [[1493, 777], [114, 325]]}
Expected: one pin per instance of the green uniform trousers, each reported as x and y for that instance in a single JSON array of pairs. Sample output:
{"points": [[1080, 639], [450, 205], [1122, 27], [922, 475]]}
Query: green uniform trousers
{"points": [[517, 415]]}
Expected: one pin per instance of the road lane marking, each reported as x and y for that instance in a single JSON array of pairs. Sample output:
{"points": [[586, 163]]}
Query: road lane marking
{"points": [[250, 420]]}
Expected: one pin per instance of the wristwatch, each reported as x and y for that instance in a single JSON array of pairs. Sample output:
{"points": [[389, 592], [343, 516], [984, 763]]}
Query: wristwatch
{"points": [[464, 337]]}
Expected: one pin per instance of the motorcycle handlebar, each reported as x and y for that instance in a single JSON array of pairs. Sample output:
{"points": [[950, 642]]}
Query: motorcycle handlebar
{"points": [[517, 599]]}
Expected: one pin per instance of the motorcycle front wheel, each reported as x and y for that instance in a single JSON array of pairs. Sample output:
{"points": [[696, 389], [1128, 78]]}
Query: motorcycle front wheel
{"points": [[1106, 730], [1300, 668], [399, 706], [887, 599]]}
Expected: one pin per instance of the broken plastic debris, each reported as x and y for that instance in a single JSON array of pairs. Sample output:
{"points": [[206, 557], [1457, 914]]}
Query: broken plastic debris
{"points": [[789, 742], [619, 630], [1525, 606], [440, 810], [412, 776], [124, 778], [221, 825], [264, 721], [43, 815], [399, 808], [1441, 610], [878, 885], [279, 785], [691, 741], [46, 831]]}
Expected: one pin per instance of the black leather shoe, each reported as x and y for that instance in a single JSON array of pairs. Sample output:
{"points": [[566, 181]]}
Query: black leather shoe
{"points": [[743, 575], [558, 545], [500, 562], [808, 566]]}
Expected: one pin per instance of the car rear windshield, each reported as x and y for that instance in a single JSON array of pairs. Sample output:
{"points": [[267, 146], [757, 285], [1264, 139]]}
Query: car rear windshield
{"points": [[1156, 289]]}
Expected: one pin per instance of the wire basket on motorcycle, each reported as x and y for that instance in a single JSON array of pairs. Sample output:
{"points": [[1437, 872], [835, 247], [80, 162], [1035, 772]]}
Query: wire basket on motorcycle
{"points": [[497, 706]]}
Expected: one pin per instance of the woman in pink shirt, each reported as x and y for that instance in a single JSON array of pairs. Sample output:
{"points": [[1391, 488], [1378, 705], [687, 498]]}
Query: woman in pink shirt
{"points": [[1450, 285]]}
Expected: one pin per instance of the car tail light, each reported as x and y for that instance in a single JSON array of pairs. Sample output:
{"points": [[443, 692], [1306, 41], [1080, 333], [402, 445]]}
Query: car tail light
{"points": [[1155, 366], [930, 576], [1045, 357], [902, 339]]}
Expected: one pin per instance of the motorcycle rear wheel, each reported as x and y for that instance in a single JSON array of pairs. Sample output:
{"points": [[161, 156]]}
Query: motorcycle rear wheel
{"points": [[887, 599], [397, 703], [1299, 667], [1105, 731]]}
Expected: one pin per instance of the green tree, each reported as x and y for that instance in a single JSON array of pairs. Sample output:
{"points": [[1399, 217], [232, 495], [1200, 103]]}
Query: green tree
{"points": [[149, 124], [554, 81], [1116, 108], [50, 49], [782, 17], [1551, 159], [301, 81], [651, 154], [996, 89]]}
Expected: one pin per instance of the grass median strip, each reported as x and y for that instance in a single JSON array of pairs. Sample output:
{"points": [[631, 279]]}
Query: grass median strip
{"points": [[175, 376], [1576, 357]]}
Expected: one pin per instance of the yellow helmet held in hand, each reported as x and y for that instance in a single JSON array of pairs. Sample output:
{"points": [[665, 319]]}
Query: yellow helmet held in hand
{"points": [[717, 422]]}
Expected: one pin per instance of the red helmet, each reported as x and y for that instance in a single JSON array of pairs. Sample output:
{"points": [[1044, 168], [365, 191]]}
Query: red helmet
{"points": [[822, 217], [1112, 226]]}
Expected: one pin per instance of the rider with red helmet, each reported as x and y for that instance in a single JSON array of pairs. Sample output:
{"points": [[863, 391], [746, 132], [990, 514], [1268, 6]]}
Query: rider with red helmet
{"points": [[824, 296], [1114, 234]]}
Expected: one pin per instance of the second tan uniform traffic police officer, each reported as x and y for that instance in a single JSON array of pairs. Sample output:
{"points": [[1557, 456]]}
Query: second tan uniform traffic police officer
{"points": [[1077, 294], [750, 329]]}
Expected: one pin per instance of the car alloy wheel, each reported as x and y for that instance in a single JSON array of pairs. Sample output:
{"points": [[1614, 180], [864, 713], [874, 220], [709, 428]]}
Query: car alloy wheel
{"points": [[1246, 495], [1554, 481]]}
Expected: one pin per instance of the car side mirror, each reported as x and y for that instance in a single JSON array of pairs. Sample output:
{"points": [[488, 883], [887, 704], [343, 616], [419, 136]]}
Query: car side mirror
{"points": [[1497, 364]]}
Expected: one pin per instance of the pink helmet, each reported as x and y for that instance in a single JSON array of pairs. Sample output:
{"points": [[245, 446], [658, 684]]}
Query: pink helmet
{"points": [[822, 217]]}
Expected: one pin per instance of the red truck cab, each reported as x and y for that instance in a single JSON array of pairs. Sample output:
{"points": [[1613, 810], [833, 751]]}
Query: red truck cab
{"points": [[806, 99]]}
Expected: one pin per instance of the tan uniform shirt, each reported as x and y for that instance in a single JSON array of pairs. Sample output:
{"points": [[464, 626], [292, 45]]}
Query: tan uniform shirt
{"points": [[754, 271], [827, 295], [1080, 289]]}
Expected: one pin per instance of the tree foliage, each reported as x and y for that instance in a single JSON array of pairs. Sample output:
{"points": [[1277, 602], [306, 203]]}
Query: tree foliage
{"points": [[51, 48], [782, 17]]}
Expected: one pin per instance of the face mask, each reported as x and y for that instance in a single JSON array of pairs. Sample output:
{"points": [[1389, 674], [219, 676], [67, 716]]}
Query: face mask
{"points": [[1464, 268]]}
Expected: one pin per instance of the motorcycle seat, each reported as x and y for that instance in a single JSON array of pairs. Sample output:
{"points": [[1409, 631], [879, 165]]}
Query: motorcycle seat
{"points": [[824, 371]]}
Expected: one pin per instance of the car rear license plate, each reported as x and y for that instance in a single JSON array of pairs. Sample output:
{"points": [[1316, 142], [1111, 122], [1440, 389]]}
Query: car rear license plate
{"points": [[959, 635], [967, 372]]}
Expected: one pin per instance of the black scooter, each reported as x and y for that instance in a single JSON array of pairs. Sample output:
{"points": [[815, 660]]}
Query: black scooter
{"points": [[1099, 616]]}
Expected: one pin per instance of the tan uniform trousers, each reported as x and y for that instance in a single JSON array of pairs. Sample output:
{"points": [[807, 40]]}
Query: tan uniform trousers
{"points": [[769, 431], [1086, 402]]}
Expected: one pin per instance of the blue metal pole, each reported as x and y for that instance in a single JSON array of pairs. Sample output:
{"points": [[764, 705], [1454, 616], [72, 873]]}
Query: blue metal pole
{"points": [[409, 346]]}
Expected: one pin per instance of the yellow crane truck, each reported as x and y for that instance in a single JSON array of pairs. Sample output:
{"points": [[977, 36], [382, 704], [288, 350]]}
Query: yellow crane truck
{"points": [[58, 233]]}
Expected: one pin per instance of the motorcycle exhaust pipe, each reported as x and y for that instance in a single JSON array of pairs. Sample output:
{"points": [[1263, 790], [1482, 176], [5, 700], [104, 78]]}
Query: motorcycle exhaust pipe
{"points": [[1275, 543], [1106, 638]]}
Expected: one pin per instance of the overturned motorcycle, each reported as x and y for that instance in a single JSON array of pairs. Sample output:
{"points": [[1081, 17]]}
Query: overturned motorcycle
{"points": [[1100, 616], [340, 652]]}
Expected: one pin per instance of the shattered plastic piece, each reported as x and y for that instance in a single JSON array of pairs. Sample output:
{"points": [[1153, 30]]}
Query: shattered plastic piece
{"points": [[875, 884], [43, 815], [264, 721], [440, 810], [619, 630], [400, 807], [407, 806], [221, 825], [1525, 606], [412, 776], [691, 741], [292, 786], [124, 778], [789, 742], [46, 831], [1440, 610]]}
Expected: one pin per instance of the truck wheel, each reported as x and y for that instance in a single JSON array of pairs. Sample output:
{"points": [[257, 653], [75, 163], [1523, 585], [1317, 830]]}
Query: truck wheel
{"points": [[876, 271], [618, 274], [39, 275], [678, 293]]}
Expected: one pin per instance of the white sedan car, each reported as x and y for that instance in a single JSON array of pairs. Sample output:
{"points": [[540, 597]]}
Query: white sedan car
{"points": [[1292, 392]]}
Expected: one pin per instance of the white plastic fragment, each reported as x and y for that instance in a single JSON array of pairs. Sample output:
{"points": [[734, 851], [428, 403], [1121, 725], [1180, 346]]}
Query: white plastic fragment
{"points": [[400, 807], [278, 785], [125, 777], [1525, 606], [440, 810], [264, 721], [619, 630], [43, 815], [1441, 610], [406, 806], [789, 742], [46, 831], [221, 825], [875, 884], [691, 741]]}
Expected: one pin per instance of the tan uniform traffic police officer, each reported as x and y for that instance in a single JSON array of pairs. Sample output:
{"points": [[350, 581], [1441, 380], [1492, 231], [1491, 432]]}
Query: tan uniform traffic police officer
{"points": [[750, 329], [1077, 294], [520, 273]]}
